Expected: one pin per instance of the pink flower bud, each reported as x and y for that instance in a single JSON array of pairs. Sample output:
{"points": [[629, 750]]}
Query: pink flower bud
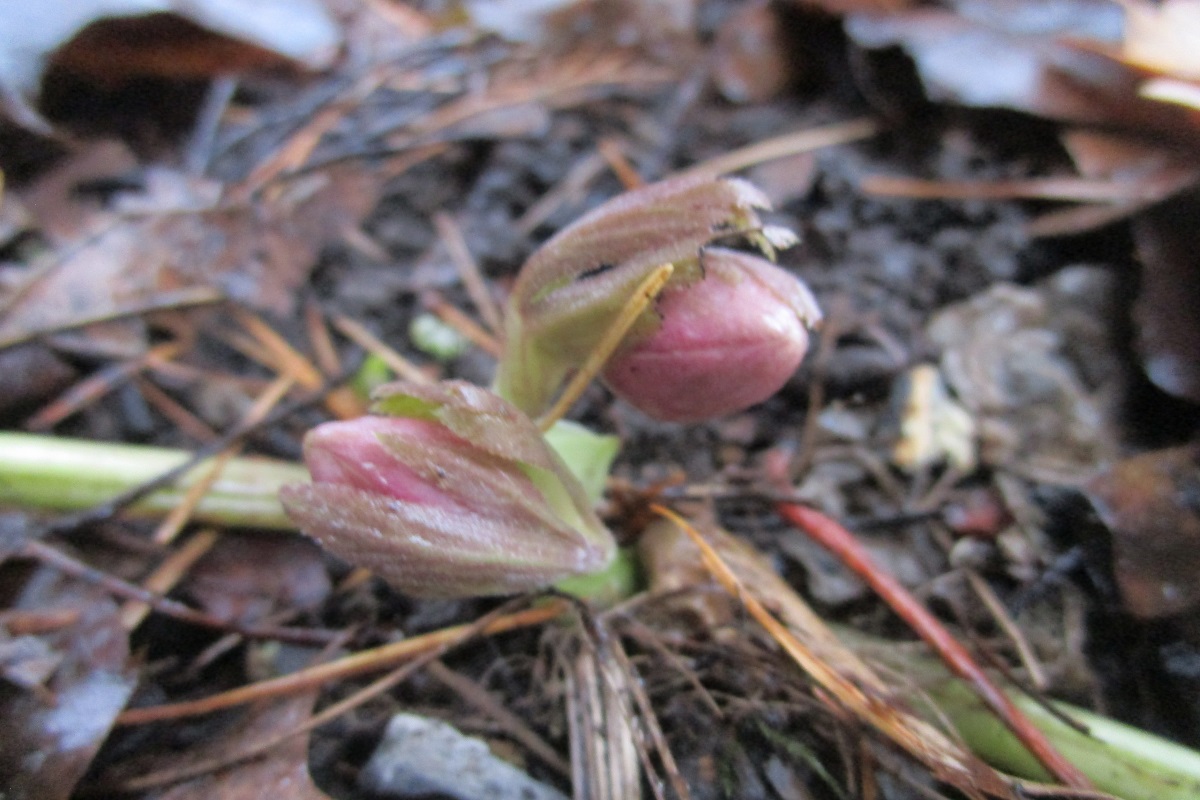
{"points": [[724, 343], [456, 495], [576, 284]]}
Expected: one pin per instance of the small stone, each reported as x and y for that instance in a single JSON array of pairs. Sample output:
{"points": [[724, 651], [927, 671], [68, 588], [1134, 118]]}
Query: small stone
{"points": [[422, 757]]}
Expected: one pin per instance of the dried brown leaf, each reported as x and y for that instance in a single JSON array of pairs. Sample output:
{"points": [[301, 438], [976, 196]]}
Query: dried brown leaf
{"points": [[1148, 503], [48, 746], [245, 578], [1163, 37], [173, 242], [109, 41], [281, 772], [997, 60], [750, 61], [1168, 334]]}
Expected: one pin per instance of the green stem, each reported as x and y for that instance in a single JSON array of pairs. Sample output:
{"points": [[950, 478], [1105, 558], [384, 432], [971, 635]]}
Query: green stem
{"points": [[621, 580], [1121, 760], [56, 474], [51, 473]]}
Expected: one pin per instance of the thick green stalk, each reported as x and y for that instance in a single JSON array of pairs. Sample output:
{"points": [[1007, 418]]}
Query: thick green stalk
{"points": [[56, 474], [50, 473], [1121, 760]]}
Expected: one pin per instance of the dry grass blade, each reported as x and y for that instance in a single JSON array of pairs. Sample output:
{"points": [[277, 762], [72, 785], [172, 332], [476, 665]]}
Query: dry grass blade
{"points": [[512, 725], [168, 573], [649, 721], [437, 646], [604, 746], [782, 146], [468, 270], [92, 388], [358, 334], [356, 664], [846, 679]]}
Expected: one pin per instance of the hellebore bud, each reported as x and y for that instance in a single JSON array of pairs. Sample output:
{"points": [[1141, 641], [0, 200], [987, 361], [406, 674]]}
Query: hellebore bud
{"points": [[724, 343], [452, 492], [569, 292]]}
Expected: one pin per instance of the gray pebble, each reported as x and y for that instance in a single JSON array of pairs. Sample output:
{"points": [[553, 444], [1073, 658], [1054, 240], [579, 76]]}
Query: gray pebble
{"points": [[420, 757]]}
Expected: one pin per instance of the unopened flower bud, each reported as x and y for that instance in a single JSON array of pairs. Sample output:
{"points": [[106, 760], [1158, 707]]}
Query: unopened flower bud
{"points": [[451, 492], [575, 285], [724, 343]]}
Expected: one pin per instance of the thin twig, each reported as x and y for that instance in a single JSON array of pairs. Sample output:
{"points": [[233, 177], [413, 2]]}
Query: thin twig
{"points": [[468, 271], [173, 523], [284, 357], [168, 573], [462, 323], [851, 553], [1029, 659], [514, 726], [378, 687], [97, 385], [173, 410], [610, 150], [319, 338], [789, 144], [164, 301], [52, 557], [356, 664]]}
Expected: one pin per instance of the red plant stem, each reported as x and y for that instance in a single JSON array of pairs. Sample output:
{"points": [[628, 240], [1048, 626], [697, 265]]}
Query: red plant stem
{"points": [[850, 551]]}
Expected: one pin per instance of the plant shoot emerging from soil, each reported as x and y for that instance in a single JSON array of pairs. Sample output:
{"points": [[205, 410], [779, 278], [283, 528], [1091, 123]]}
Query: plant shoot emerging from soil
{"points": [[576, 285], [451, 492]]}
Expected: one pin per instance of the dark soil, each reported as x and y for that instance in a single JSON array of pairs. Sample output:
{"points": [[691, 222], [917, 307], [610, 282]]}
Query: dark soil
{"points": [[882, 268]]}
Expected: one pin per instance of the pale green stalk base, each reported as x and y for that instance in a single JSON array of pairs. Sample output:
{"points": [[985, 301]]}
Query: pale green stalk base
{"points": [[50, 473], [56, 474], [1121, 760], [621, 580]]}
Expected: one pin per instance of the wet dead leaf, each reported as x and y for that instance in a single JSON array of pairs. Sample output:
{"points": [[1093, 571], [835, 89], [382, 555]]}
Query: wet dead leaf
{"points": [[28, 662], [48, 746], [1151, 505], [258, 253], [55, 202], [122, 38], [282, 772], [991, 56], [245, 578], [1168, 335], [1163, 37], [32, 373], [750, 61]]}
